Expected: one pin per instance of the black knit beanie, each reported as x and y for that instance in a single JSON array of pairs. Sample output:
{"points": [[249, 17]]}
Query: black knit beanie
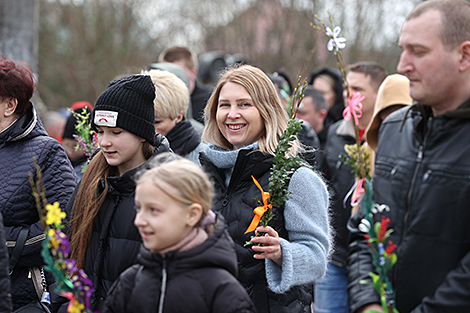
{"points": [[128, 103]]}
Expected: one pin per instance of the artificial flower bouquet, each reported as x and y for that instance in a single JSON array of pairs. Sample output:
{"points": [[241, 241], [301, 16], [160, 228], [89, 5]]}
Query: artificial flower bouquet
{"points": [[86, 137], [72, 282], [358, 158]]}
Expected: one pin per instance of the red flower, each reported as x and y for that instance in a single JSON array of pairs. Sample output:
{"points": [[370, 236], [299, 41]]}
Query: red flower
{"points": [[383, 227], [367, 237], [390, 248]]}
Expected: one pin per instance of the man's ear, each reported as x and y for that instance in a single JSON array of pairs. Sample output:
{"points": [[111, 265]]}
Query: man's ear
{"points": [[194, 72], [464, 50], [179, 118], [194, 214], [11, 104]]}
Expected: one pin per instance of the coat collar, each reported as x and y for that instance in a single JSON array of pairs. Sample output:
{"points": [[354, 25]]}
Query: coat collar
{"points": [[346, 128]]}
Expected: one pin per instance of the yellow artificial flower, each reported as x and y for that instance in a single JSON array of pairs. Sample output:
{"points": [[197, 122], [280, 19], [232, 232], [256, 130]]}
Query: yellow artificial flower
{"points": [[54, 214], [76, 307], [52, 238]]}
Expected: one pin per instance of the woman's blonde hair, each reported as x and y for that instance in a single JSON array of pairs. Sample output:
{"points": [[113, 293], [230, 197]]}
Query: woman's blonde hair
{"points": [[171, 94], [265, 98], [88, 202], [189, 179]]}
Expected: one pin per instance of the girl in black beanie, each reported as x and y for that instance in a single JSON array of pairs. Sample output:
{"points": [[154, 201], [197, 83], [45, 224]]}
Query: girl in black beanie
{"points": [[104, 240]]}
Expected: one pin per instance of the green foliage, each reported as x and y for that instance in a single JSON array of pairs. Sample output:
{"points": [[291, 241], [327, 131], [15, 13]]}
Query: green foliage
{"points": [[281, 172], [351, 159], [283, 167]]}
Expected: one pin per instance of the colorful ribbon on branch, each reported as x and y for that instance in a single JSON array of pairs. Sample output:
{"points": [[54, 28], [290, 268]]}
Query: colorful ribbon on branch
{"points": [[260, 210], [354, 108], [355, 192]]}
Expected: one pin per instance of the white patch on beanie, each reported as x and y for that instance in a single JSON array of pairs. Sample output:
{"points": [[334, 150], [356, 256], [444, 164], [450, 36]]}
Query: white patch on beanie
{"points": [[106, 118]]}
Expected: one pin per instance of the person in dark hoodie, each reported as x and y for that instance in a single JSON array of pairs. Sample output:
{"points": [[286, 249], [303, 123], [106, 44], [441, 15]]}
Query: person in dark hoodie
{"points": [[329, 82], [22, 137], [187, 262], [104, 240], [171, 104]]}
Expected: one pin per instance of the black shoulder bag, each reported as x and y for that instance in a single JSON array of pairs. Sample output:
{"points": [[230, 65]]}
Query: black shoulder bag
{"points": [[35, 306]]}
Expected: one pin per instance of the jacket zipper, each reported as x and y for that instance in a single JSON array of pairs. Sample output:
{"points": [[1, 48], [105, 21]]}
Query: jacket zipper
{"points": [[419, 159], [163, 288]]}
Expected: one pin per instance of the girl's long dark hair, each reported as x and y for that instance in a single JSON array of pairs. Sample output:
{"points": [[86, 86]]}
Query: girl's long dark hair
{"points": [[89, 200]]}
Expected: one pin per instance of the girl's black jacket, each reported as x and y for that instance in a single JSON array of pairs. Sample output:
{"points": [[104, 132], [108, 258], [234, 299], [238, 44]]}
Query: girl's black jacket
{"points": [[115, 241], [195, 281]]}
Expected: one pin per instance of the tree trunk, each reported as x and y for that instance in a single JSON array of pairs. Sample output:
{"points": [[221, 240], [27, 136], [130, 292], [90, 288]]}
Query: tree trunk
{"points": [[19, 29]]}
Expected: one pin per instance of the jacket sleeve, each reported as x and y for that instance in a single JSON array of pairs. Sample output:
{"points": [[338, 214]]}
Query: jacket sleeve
{"points": [[453, 295], [59, 176], [5, 295], [360, 265], [60, 179], [304, 256], [59, 182], [121, 291]]}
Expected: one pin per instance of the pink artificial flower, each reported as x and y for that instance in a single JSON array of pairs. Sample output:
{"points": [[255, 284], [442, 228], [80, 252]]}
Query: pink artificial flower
{"points": [[354, 108]]}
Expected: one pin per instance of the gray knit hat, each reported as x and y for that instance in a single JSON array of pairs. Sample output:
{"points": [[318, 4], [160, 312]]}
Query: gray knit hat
{"points": [[128, 103]]}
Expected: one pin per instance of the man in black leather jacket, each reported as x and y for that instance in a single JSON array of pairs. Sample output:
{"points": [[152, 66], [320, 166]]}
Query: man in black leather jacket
{"points": [[422, 170]]}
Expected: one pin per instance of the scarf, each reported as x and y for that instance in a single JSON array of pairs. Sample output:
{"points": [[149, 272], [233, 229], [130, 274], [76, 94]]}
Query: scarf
{"points": [[225, 159], [195, 237]]}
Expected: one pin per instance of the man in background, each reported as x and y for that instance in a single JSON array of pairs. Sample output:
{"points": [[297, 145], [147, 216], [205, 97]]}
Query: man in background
{"points": [[199, 93], [313, 109], [331, 292]]}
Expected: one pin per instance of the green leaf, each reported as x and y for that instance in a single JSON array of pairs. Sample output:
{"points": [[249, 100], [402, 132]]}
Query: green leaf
{"points": [[377, 228], [383, 301]]}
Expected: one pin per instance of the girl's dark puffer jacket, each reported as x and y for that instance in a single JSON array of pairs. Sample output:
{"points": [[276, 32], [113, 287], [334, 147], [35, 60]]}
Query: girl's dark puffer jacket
{"points": [[199, 280]]}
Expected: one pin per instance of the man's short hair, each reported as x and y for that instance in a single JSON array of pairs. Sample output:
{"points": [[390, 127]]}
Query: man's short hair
{"points": [[175, 54], [376, 72], [317, 98], [455, 16]]}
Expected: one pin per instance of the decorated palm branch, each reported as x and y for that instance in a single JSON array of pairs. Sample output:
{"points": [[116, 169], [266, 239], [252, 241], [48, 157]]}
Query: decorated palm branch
{"points": [[72, 282], [358, 158], [283, 165]]}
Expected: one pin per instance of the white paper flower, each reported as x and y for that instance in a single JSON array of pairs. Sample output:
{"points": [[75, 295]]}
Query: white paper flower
{"points": [[335, 41], [380, 208], [364, 226]]}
